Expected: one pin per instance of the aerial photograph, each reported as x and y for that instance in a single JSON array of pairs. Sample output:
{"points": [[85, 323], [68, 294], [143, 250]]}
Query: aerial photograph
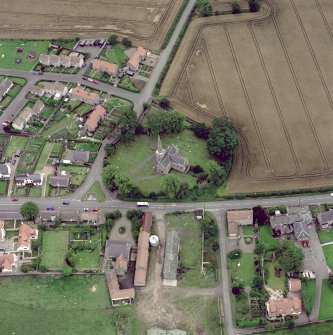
{"points": [[166, 167]]}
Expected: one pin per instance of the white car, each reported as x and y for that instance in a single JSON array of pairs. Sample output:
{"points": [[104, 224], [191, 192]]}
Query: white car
{"points": [[86, 209]]}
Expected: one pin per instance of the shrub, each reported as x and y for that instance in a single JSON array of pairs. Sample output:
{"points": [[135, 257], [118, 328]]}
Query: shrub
{"points": [[67, 271], [235, 7], [196, 169], [43, 268], [235, 254], [254, 5]]}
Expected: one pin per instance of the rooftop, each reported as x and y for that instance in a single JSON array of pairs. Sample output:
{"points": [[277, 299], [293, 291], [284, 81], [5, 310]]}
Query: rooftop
{"points": [[171, 256]]}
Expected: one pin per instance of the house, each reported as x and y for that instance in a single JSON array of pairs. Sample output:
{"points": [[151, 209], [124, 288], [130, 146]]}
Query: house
{"points": [[141, 264], [35, 179], [295, 285], [291, 306], [54, 60], [77, 60], [68, 216], [103, 66], [134, 62], [5, 171], [36, 90], [80, 94], [60, 181], [301, 231], [38, 107], [92, 217], [55, 88], [114, 249], [94, 118], [170, 158], [5, 85], [121, 266], [65, 61], [77, 156], [24, 116], [44, 59], [325, 219], [233, 229], [118, 296], [2, 231], [171, 259], [26, 234], [7, 262], [242, 217]]}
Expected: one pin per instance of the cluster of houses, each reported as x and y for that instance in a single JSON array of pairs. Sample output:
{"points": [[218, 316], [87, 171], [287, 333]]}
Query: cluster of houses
{"points": [[26, 114], [5, 85], [52, 89], [113, 69], [74, 59], [21, 245]]}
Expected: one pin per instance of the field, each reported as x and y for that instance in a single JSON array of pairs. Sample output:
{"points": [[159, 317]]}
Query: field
{"points": [[326, 301], [9, 54], [190, 250], [54, 249], [261, 70], [80, 305], [136, 159], [148, 23]]}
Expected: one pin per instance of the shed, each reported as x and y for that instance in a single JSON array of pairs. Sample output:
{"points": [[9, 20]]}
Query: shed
{"points": [[171, 259], [295, 285]]}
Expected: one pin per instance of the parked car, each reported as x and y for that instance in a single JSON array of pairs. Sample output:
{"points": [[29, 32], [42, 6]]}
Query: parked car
{"points": [[14, 199], [95, 209], [65, 202], [95, 81], [84, 65], [50, 208], [84, 78], [86, 209], [89, 79], [2, 249]]}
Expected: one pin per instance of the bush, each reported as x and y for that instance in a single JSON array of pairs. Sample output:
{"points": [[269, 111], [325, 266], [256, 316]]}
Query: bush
{"points": [[67, 271], [196, 169], [235, 254], [43, 268], [27, 268], [235, 7], [254, 5], [248, 323]]}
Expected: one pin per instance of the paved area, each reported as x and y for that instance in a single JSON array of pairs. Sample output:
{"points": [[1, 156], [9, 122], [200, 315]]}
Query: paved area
{"points": [[127, 236]]}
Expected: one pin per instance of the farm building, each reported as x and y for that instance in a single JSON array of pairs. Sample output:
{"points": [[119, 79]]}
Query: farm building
{"points": [[171, 259], [5, 85], [242, 217], [117, 295], [141, 265], [114, 249], [103, 66]]}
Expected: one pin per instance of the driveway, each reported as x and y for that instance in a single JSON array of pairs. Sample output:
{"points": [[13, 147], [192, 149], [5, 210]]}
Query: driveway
{"points": [[127, 236]]}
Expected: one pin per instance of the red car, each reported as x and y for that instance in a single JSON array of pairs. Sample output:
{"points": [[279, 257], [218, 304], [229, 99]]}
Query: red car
{"points": [[95, 81], [14, 199], [95, 209]]}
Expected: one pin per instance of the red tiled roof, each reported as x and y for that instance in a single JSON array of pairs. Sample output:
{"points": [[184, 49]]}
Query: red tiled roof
{"points": [[285, 306], [95, 116], [101, 65], [136, 57]]}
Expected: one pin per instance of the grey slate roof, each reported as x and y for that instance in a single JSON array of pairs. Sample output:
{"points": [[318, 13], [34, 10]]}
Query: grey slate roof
{"points": [[59, 181], [325, 217], [4, 170], [115, 249], [77, 156], [301, 230], [4, 86], [7, 215], [35, 177], [283, 219], [171, 256]]}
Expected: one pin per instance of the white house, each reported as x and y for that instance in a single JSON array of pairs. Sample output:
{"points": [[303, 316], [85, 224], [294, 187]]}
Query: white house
{"points": [[35, 179], [5, 171]]}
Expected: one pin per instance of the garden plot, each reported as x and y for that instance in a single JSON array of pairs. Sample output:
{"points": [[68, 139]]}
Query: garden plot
{"points": [[256, 68]]}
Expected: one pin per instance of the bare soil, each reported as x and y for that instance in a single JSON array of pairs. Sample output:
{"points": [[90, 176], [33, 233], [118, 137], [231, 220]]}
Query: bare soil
{"points": [[145, 22], [271, 73]]}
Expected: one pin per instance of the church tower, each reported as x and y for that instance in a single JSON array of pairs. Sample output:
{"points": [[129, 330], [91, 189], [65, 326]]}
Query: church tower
{"points": [[160, 152]]}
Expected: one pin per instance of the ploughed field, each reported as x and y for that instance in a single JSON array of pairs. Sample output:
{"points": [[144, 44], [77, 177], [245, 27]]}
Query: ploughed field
{"points": [[144, 21], [271, 72]]}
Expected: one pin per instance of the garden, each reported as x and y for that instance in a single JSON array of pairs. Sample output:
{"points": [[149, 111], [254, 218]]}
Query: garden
{"points": [[326, 301], [190, 231], [82, 306], [127, 83], [114, 54], [14, 90], [54, 248], [16, 143], [328, 252]]}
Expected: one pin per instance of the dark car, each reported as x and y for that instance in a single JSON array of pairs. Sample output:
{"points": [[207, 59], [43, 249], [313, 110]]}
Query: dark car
{"points": [[65, 202], [50, 208]]}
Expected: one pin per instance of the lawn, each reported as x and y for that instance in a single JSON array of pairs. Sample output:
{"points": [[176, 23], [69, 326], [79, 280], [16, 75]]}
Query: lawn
{"points": [[16, 142], [276, 283], [325, 235], [243, 268], [136, 159], [54, 249], [3, 187], [8, 53], [97, 191], [328, 252], [265, 236], [44, 156], [75, 305], [309, 289], [89, 260], [326, 301], [68, 122], [190, 250], [127, 84], [116, 55], [247, 230]]}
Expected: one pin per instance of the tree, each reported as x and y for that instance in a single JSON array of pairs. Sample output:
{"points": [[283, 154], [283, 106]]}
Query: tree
{"points": [[216, 173], [204, 7], [254, 5], [164, 103], [222, 139], [208, 226], [166, 122], [260, 248], [200, 130], [127, 125], [57, 221], [155, 121], [29, 210], [67, 271], [235, 7], [330, 280], [113, 39], [110, 149], [260, 216], [291, 256], [126, 42], [174, 188]]}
